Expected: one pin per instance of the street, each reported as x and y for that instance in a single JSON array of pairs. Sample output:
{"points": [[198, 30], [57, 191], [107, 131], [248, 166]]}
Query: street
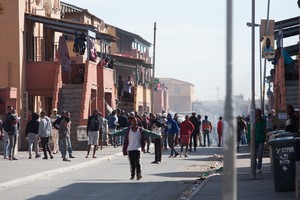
{"points": [[109, 179]]}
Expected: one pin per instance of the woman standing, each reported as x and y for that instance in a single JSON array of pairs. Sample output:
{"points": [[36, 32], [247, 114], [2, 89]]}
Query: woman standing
{"points": [[186, 129]]}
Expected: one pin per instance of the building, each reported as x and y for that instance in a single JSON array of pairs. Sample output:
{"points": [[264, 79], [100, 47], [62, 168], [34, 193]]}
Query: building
{"points": [[131, 58], [57, 55], [285, 76], [181, 94]]}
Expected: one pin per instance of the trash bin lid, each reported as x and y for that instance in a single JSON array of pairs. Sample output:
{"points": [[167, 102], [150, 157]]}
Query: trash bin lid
{"points": [[282, 140], [284, 134]]}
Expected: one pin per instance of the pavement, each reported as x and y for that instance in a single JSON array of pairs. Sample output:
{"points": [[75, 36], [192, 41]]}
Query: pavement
{"points": [[208, 186]]}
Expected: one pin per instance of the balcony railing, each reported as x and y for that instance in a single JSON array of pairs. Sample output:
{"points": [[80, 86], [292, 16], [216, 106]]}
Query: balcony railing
{"points": [[38, 49]]}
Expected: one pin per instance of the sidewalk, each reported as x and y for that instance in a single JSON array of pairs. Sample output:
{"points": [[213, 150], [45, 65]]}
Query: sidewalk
{"points": [[260, 188], [20, 172]]}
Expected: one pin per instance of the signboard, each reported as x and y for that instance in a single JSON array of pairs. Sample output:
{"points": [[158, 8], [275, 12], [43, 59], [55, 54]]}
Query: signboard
{"points": [[282, 116], [268, 50]]}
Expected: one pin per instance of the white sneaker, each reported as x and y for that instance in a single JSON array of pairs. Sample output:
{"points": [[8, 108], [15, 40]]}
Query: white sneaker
{"points": [[258, 171]]}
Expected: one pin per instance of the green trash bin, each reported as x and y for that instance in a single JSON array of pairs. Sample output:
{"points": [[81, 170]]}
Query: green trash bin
{"points": [[284, 154]]}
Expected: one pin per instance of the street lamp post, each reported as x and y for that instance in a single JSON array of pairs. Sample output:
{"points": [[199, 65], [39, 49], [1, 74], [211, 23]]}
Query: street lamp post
{"points": [[249, 24], [252, 114]]}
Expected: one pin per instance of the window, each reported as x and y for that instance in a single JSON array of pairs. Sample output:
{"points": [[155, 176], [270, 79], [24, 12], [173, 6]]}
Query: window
{"points": [[177, 90]]}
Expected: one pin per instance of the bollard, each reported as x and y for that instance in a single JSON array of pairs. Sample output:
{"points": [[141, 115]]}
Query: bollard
{"points": [[298, 180]]}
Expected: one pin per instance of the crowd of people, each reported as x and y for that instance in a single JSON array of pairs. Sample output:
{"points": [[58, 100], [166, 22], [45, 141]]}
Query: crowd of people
{"points": [[134, 133]]}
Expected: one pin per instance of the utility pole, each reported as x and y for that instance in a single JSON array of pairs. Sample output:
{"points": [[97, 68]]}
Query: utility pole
{"points": [[265, 62], [153, 69], [229, 177], [252, 112]]}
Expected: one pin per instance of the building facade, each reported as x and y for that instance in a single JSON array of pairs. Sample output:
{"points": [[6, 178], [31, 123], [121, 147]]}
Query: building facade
{"points": [[181, 94], [57, 55]]}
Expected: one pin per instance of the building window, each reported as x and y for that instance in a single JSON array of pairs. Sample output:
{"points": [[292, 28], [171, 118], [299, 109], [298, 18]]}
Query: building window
{"points": [[177, 90], [176, 108]]}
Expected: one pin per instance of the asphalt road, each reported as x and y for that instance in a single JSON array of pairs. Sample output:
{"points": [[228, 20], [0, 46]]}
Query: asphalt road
{"points": [[110, 180]]}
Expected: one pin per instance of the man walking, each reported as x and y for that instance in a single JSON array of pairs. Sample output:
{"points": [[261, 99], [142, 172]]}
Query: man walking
{"points": [[195, 132], [64, 135], [172, 132], [45, 129], [93, 127]]}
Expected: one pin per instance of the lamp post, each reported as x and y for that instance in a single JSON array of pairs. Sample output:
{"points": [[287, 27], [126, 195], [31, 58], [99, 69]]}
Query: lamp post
{"points": [[252, 113], [249, 24]]}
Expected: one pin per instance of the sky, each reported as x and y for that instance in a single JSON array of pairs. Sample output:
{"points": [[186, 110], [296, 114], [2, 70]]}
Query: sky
{"points": [[191, 38]]}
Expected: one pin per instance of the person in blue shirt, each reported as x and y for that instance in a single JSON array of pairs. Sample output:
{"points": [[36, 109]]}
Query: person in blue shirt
{"points": [[172, 132]]}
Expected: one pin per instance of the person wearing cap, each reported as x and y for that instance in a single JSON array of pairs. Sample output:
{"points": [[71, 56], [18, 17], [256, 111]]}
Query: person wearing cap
{"points": [[54, 116], [93, 126]]}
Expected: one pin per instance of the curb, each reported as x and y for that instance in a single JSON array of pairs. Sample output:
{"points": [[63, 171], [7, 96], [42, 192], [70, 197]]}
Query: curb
{"points": [[27, 179]]}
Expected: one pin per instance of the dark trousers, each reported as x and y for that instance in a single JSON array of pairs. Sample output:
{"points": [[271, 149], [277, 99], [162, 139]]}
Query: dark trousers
{"points": [[171, 142], [134, 159], [45, 146], [193, 140], [157, 149]]}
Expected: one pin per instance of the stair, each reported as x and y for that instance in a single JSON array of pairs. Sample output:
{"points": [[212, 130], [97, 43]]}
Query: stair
{"points": [[126, 106], [291, 91], [70, 100]]}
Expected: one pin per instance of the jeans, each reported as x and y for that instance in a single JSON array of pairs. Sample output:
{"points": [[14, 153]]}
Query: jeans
{"points": [[70, 151], [259, 154], [171, 141], [6, 147], [12, 145], [63, 142], [33, 140], [206, 135]]}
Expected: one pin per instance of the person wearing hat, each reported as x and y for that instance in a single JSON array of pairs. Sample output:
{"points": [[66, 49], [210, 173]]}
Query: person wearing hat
{"points": [[54, 116]]}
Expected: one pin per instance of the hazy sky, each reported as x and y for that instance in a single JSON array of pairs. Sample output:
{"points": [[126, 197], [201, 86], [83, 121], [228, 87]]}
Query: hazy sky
{"points": [[191, 37]]}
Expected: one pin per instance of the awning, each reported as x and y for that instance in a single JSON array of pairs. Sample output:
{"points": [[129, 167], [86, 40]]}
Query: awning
{"points": [[128, 60], [65, 26]]}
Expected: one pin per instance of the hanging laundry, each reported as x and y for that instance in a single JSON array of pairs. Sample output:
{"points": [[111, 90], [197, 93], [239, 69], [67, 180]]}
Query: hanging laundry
{"points": [[63, 54], [79, 44], [93, 51]]}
